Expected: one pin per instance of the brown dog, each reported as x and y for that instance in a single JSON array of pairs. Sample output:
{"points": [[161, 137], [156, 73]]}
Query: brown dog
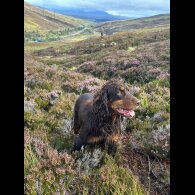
{"points": [[97, 118]]}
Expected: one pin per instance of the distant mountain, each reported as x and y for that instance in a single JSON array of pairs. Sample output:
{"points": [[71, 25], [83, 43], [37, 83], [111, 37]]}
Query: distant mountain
{"points": [[92, 15], [41, 19], [125, 25]]}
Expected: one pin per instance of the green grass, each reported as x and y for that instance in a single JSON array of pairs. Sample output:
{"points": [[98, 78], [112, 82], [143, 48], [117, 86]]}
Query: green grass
{"points": [[30, 158]]}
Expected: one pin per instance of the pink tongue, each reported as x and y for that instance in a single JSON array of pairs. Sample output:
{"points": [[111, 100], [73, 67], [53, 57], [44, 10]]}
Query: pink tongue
{"points": [[127, 113]]}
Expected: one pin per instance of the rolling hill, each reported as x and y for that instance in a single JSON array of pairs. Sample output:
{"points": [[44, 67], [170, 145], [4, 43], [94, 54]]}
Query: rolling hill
{"points": [[42, 25], [125, 25], [65, 65], [37, 19]]}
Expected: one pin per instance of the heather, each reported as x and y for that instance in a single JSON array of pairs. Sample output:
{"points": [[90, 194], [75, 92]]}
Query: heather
{"points": [[56, 74]]}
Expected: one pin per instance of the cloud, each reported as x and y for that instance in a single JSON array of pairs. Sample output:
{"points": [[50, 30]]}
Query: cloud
{"points": [[136, 14], [117, 7]]}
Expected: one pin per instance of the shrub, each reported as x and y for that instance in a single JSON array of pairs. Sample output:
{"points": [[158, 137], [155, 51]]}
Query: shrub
{"points": [[89, 85], [89, 160], [34, 120], [56, 172], [45, 84], [158, 142], [43, 103], [29, 106]]}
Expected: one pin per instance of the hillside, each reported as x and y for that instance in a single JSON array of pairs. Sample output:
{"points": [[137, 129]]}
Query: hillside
{"points": [[89, 14], [41, 25], [40, 19], [56, 73], [125, 25]]}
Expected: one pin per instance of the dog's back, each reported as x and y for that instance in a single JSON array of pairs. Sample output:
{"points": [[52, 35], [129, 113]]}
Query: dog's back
{"points": [[84, 100]]}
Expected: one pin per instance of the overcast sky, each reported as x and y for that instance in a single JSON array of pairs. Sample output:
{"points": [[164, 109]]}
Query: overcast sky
{"points": [[135, 8]]}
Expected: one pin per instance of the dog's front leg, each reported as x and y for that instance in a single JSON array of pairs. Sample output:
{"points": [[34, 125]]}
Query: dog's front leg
{"points": [[112, 148], [78, 144]]}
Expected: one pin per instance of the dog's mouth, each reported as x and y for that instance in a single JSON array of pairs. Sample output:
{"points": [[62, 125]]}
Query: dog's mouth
{"points": [[125, 113]]}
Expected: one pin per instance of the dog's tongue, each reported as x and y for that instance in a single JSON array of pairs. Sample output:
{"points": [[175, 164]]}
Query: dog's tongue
{"points": [[127, 113]]}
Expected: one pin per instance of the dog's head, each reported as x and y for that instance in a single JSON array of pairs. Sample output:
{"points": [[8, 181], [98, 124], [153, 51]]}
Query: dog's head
{"points": [[115, 96]]}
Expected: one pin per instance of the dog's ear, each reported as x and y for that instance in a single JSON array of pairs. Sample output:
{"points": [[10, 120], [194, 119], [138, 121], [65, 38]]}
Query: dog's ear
{"points": [[104, 97], [101, 102]]}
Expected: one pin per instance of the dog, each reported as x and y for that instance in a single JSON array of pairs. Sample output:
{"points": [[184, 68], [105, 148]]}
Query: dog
{"points": [[97, 118]]}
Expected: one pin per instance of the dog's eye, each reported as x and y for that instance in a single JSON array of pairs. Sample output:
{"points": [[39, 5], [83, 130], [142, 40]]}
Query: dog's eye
{"points": [[122, 88]]}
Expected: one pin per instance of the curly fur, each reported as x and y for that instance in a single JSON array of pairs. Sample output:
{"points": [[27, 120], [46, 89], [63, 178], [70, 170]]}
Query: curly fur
{"points": [[95, 121]]}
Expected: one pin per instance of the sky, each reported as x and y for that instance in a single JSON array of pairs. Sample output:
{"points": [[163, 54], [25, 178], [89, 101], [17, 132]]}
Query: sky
{"points": [[129, 8]]}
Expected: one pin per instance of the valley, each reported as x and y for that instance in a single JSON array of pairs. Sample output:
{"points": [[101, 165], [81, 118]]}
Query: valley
{"points": [[70, 60]]}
